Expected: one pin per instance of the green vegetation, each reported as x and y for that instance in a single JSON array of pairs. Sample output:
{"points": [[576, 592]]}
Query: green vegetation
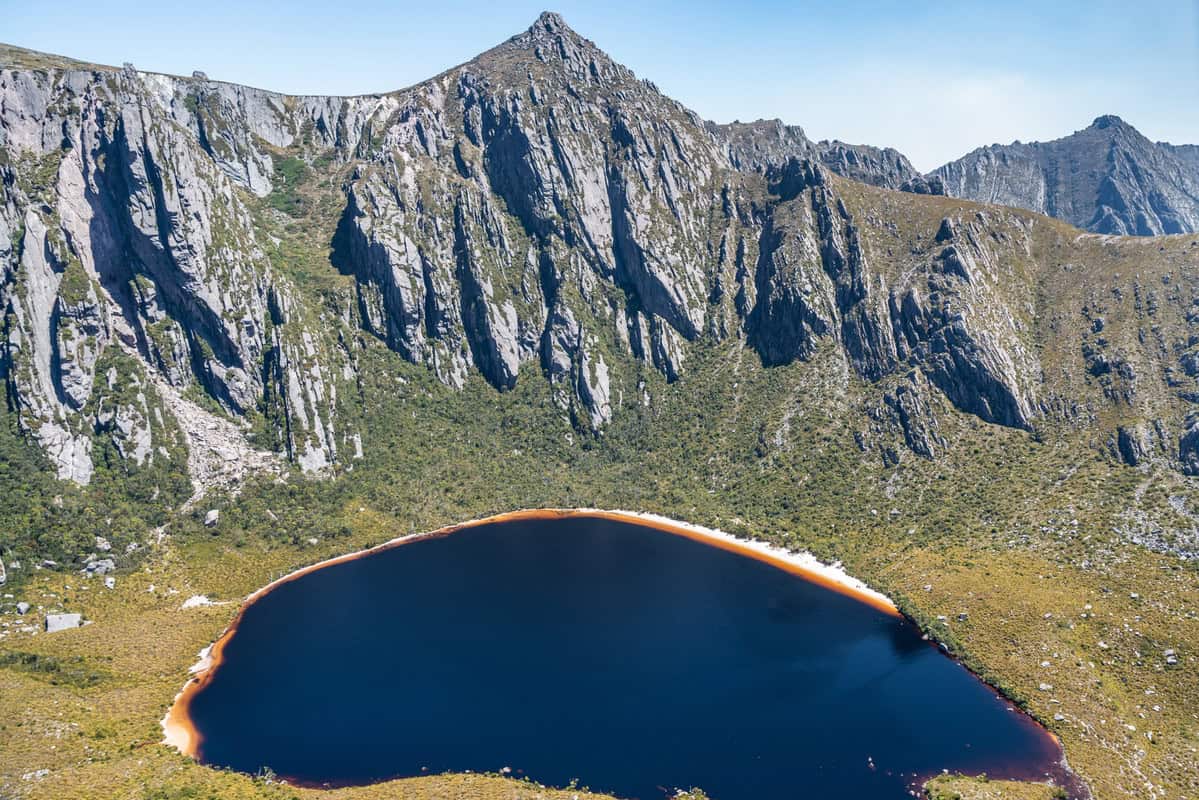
{"points": [[150, 491], [72, 671], [290, 174], [75, 284], [961, 787], [40, 517], [311, 205]]}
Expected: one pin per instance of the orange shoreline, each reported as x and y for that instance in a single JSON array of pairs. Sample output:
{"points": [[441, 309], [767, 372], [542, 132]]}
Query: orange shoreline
{"points": [[180, 732]]}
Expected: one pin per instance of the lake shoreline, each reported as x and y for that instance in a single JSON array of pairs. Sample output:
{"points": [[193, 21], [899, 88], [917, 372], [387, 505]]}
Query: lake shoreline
{"points": [[181, 734]]}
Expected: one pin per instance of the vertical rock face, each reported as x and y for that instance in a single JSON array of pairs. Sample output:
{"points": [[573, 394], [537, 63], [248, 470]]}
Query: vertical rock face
{"points": [[948, 321], [795, 296], [120, 227], [513, 198], [1107, 178]]}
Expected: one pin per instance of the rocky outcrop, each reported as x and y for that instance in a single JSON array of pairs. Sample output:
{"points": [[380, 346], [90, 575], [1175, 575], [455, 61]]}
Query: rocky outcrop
{"points": [[1141, 443], [768, 144], [878, 166], [947, 319], [1106, 178], [762, 145], [1188, 447], [124, 223], [813, 279], [516, 194], [909, 406]]}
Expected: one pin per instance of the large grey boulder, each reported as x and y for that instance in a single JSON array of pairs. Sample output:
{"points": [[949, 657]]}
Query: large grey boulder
{"points": [[61, 622], [101, 566]]}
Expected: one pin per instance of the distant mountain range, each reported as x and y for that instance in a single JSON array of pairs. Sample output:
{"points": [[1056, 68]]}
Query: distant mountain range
{"points": [[1106, 178]]}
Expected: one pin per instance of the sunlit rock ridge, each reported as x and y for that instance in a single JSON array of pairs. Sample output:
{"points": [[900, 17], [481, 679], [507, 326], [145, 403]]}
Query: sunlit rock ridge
{"points": [[538, 209], [1106, 178]]}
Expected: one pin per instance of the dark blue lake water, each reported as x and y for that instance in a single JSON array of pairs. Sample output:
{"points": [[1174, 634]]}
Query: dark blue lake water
{"points": [[631, 659]]}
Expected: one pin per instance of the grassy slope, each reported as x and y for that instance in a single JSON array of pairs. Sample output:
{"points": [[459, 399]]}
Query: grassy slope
{"points": [[15, 57], [991, 527], [957, 787]]}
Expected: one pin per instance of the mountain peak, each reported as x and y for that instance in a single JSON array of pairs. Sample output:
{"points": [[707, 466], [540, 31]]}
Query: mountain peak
{"points": [[550, 21], [550, 26], [1108, 121], [555, 44], [549, 30], [1122, 182]]}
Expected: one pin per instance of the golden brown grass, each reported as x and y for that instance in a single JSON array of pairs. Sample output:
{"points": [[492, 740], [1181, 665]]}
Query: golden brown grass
{"points": [[959, 787]]}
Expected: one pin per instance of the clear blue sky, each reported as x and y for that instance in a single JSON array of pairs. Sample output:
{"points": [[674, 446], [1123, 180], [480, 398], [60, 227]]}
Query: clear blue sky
{"points": [[932, 79]]}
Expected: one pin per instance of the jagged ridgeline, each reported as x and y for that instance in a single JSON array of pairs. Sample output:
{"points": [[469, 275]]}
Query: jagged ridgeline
{"points": [[1106, 178], [195, 266]]}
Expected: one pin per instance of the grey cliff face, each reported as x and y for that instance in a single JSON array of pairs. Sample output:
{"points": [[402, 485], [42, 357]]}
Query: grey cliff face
{"points": [[538, 209], [1107, 178], [523, 204], [945, 321], [124, 232], [768, 144]]}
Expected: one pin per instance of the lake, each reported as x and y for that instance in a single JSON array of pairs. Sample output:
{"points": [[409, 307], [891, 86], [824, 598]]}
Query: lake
{"points": [[607, 651]]}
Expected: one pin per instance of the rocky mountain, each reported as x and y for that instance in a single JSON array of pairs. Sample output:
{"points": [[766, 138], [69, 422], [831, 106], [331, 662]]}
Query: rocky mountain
{"points": [[183, 256], [1106, 178], [768, 144]]}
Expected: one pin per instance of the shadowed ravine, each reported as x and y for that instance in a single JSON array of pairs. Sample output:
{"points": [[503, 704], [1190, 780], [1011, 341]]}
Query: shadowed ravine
{"points": [[599, 647]]}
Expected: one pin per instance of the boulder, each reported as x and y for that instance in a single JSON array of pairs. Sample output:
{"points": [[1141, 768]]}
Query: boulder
{"points": [[101, 566], [1132, 443], [62, 622], [1188, 446], [212, 518]]}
